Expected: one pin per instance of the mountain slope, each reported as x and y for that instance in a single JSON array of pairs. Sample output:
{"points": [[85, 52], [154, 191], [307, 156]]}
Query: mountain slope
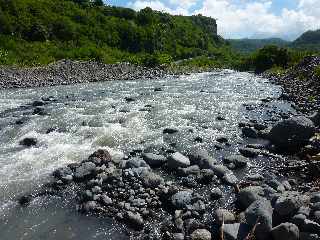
{"points": [[309, 40], [42, 31], [251, 45]]}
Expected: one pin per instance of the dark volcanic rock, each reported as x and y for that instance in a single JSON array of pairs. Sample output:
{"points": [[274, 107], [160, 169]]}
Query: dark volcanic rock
{"points": [[29, 142], [292, 133]]}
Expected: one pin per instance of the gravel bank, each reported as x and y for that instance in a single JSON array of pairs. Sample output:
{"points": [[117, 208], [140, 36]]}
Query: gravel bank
{"points": [[67, 72]]}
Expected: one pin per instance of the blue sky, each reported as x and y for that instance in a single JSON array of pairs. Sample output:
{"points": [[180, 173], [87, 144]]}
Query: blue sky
{"points": [[243, 18]]}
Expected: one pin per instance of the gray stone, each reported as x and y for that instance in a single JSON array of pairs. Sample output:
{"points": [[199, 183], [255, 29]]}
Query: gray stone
{"points": [[308, 236], [216, 194], [310, 226], [202, 159], [249, 132], [248, 195], [236, 231], [255, 177], [315, 118], [298, 220], [182, 199], [230, 179], [90, 206], [285, 231], [177, 160], [250, 152], [287, 206], [239, 161], [292, 133], [192, 170], [85, 170], [201, 234], [178, 236], [106, 200], [154, 160], [151, 179], [315, 197], [135, 220], [135, 163], [221, 215], [260, 212], [220, 170]]}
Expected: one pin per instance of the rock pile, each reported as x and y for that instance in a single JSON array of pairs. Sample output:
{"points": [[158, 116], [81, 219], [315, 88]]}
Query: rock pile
{"points": [[66, 72]]}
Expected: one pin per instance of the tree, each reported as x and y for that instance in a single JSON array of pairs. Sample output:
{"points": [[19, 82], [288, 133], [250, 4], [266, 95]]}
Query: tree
{"points": [[97, 3]]}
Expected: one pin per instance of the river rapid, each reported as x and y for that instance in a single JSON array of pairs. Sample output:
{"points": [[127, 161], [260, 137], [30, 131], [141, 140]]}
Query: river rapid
{"points": [[123, 117]]}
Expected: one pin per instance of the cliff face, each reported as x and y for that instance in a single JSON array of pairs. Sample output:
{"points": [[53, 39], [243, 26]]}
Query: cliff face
{"points": [[207, 23]]}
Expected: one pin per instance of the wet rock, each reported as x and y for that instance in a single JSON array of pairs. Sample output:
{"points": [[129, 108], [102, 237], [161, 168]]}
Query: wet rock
{"points": [[158, 89], [310, 227], [221, 215], [100, 157], [220, 170], [170, 131], [292, 133], [309, 236], [222, 140], [154, 160], [106, 200], [177, 160], [192, 170], [298, 220], [151, 180], [260, 212], [181, 199], [237, 161], [249, 132], [202, 159], [178, 236], [249, 152], [255, 177], [230, 179], [39, 111], [90, 206], [249, 195], [287, 206], [64, 174], [38, 103], [286, 231], [201, 234], [315, 118], [134, 220], [206, 176], [130, 99], [25, 200], [135, 163], [315, 197], [216, 194], [236, 231], [28, 142], [85, 170]]}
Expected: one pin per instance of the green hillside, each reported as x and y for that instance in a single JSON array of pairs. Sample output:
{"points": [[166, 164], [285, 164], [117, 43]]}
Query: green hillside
{"points": [[34, 32], [250, 45], [309, 40]]}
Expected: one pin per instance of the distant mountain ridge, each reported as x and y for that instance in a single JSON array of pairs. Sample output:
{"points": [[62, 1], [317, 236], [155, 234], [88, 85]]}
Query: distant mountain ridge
{"points": [[250, 45]]}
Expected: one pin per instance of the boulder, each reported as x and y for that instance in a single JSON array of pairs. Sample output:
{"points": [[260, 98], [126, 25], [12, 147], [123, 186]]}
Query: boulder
{"points": [[287, 206], [238, 161], [260, 212], [315, 118], [177, 160], [249, 152], [248, 195], [150, 179], [249, 132], [28, 142], [221, 215], [216, 194], [202, 159], [154, 160], [135, 163], [134, 220], [100, 157], [292, 133], [287, 231], [236, 231], [201, 234], [182, 199], [85, 170]]}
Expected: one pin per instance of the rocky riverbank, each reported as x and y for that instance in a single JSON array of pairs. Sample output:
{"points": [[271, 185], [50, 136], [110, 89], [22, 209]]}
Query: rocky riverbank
{"points": [[67, 72], [173, 195], [301, 84]]}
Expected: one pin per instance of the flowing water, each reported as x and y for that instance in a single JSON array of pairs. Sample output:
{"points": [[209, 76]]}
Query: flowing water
{"points": [[86, 117]]}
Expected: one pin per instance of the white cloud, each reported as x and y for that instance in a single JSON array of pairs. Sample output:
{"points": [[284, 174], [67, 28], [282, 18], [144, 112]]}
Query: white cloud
{"points": [[246, 18]]}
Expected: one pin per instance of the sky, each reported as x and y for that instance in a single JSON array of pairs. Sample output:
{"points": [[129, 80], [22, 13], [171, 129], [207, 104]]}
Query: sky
{"points": [[286, 19]]}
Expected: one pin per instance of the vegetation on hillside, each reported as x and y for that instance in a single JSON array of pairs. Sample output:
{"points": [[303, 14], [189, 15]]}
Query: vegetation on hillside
{"points": [[35, 32], [247, 46], [309, 40]]}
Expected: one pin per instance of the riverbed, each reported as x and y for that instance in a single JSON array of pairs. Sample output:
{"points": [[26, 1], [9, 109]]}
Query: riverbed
{"points": [[123, 117]]}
